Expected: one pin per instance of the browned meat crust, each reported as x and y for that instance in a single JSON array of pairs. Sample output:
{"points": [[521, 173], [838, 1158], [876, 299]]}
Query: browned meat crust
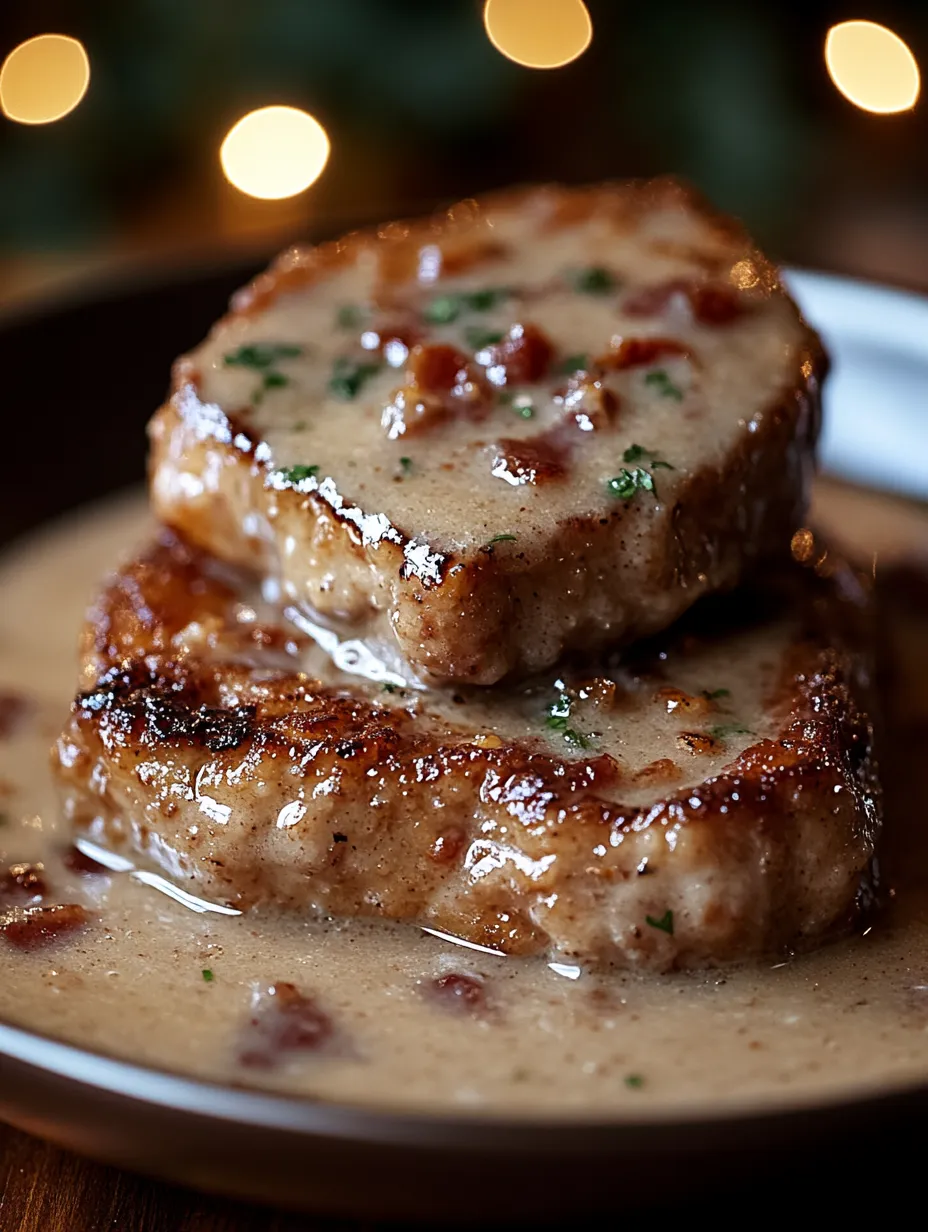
{"points": [[479, 613], [264, 786]]}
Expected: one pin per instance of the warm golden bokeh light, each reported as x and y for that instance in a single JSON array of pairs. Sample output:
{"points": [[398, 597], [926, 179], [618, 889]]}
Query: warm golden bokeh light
{"points": [[43, 79], [538, 33], [872, 66], [274, 152]]}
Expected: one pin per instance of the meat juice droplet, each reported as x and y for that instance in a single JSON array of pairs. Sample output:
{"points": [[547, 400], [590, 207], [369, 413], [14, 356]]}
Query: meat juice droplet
{"points": [[283, 1020], [31, 928]]}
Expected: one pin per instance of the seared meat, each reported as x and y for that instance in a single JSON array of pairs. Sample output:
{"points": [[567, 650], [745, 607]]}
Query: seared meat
{"points": [[550, 421], [709, 798]]}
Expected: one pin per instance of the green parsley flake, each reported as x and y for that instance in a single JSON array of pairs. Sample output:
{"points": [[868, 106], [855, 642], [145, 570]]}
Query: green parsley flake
{"points": [[573, 363], [478, 337], [208, 976], [559, 720], [406, 465], [628, 484], [523, 406], [660, 381], [500, 539], [729, 729], [596, 280], [634, 453], [349, 316], [349, 376], [296, 474], [447, 308], [664, 922], [634, 1081], [713, 695], [261, 355]]}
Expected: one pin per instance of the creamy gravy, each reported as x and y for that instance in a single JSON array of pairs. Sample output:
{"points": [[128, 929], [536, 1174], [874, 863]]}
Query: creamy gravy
{"points": [[537, 1040]]}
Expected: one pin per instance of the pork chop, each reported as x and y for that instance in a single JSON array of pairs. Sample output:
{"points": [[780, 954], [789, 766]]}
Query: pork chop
{"points": [[710, 797], [549, 421]]}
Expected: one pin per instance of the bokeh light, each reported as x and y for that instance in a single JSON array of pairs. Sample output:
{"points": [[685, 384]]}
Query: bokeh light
{"points": [[274, 152], [43, 79], [872, 66], [538, 33]]}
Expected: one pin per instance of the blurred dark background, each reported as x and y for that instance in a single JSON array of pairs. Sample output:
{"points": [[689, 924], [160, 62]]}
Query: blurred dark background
{"points": [[421, 108]]}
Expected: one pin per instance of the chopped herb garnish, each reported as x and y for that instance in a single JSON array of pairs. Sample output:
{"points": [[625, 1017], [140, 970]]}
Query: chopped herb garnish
{"points": [[348, 377], [481, 301], [663, 384], [500, 539], [388, 687], [627, 484], [406, 465], [296, 474], [300, 426], [664, 922], [349, 316], [713, 695], [275, 380], [634, 453], [573, 363], [523, 407], [635, 1081], [447, 308], [729, 729], [558, 720], [261, 355], [478, 337], [594, 281], [208, 976]]}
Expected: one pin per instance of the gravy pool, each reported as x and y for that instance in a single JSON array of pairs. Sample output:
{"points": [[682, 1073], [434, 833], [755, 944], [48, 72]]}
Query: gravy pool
{"points": [[151, 981]]}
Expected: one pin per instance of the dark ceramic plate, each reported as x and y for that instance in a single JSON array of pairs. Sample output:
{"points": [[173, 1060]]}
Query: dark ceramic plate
{"points": [[83, 378]]}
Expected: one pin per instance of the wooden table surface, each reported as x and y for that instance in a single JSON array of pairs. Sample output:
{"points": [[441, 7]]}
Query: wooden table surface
{"points": [[43, 1189]]}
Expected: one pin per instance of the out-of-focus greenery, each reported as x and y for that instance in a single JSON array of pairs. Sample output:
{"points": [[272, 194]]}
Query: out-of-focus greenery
{"points": [[734, 95]]}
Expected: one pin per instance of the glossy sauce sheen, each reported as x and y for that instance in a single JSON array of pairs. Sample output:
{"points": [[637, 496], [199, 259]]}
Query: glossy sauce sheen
{"points": [[391, 1016]]}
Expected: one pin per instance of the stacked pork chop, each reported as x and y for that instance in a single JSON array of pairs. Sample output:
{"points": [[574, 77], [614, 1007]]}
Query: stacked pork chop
{"points": [[435, 630]]}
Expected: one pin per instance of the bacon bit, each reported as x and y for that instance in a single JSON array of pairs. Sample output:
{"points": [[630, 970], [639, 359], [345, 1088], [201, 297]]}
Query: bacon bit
{"points": [[75, 860], [436, 369], [698, 743], [536, 459], [462, 994], [636, 352], [678, 702], [587, 402], [448, 846], [283, 1020], [710, 305], [600, 691], [441, 382], [22, 883], [393, 341], [661, 771], [524, 356], [30, 928], [13, 709]]}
